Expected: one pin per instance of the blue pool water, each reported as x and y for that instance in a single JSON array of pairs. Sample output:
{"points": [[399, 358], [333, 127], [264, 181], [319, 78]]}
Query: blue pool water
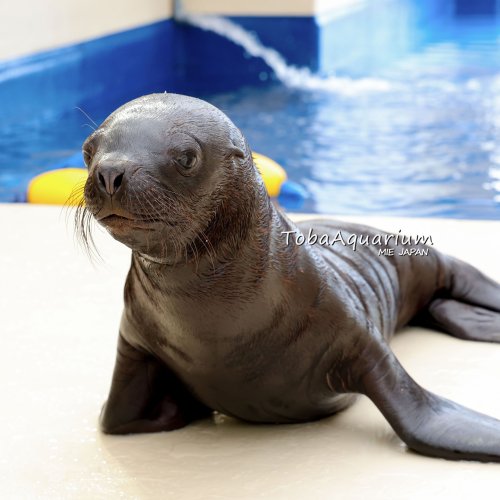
{"points": [[426, 145]]}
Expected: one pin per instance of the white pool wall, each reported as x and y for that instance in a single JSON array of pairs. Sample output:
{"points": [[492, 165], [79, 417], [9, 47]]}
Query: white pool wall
{"points": [[31, 26]]}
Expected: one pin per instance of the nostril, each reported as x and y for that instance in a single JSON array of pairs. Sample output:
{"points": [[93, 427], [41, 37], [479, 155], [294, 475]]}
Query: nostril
{"points": [[118, 181], [101, 180], [110, 179]]}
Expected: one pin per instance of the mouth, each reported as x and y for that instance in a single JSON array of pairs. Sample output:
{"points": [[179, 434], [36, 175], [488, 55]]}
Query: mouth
{"points": [[115, 221], [113, 218]]}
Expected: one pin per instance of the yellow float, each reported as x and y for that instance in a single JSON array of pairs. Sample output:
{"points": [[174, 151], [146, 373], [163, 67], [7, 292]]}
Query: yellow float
{"points": [[272, 173], [64, 186], [58, 187]]}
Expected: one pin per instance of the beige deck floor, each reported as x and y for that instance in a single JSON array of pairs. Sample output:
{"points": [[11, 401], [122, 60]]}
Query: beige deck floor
{"points": [[58, 325]]}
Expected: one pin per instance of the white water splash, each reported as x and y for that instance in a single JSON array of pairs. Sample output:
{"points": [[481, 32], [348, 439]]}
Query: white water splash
{"points": [[291, 76]]}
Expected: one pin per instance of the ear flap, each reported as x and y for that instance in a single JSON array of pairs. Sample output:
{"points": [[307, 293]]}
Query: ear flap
{"points": [[238, 143], [236, 152]]}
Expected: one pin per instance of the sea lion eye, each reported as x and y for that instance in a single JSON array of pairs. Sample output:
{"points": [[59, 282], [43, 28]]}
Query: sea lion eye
{"points": [[186, 160], [87, 157]]}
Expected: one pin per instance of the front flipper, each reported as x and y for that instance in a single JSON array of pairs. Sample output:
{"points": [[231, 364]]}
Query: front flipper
{"points": [[145, 396], [427, 423]]}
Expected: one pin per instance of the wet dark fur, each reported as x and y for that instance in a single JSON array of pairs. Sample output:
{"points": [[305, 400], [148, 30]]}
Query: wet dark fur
{"points": [[221, 314]]}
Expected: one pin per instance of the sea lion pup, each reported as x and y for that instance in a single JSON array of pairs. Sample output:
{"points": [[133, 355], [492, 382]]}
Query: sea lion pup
{"points": [[223, 313]]}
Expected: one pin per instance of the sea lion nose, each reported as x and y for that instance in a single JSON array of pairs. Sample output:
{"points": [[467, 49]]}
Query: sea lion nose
{"points": [[110, 178]]}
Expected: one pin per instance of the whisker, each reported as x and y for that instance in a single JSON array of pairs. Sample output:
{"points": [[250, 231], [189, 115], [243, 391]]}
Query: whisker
{"points": [[86, 114], [83, 226]]}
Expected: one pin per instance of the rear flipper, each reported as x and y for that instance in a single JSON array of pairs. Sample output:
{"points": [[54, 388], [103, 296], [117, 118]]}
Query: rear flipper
{"points": [[469, 285], [468, 307], [462, 320], [427, 423]]}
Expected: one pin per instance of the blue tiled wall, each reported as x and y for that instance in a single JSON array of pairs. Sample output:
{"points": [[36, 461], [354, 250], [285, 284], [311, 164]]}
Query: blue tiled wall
{"points": [[112, 69], [206, 61], [476, 7]]}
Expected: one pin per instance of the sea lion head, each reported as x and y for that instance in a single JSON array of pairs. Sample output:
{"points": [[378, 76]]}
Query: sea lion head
{"points": [[167, 175]]}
